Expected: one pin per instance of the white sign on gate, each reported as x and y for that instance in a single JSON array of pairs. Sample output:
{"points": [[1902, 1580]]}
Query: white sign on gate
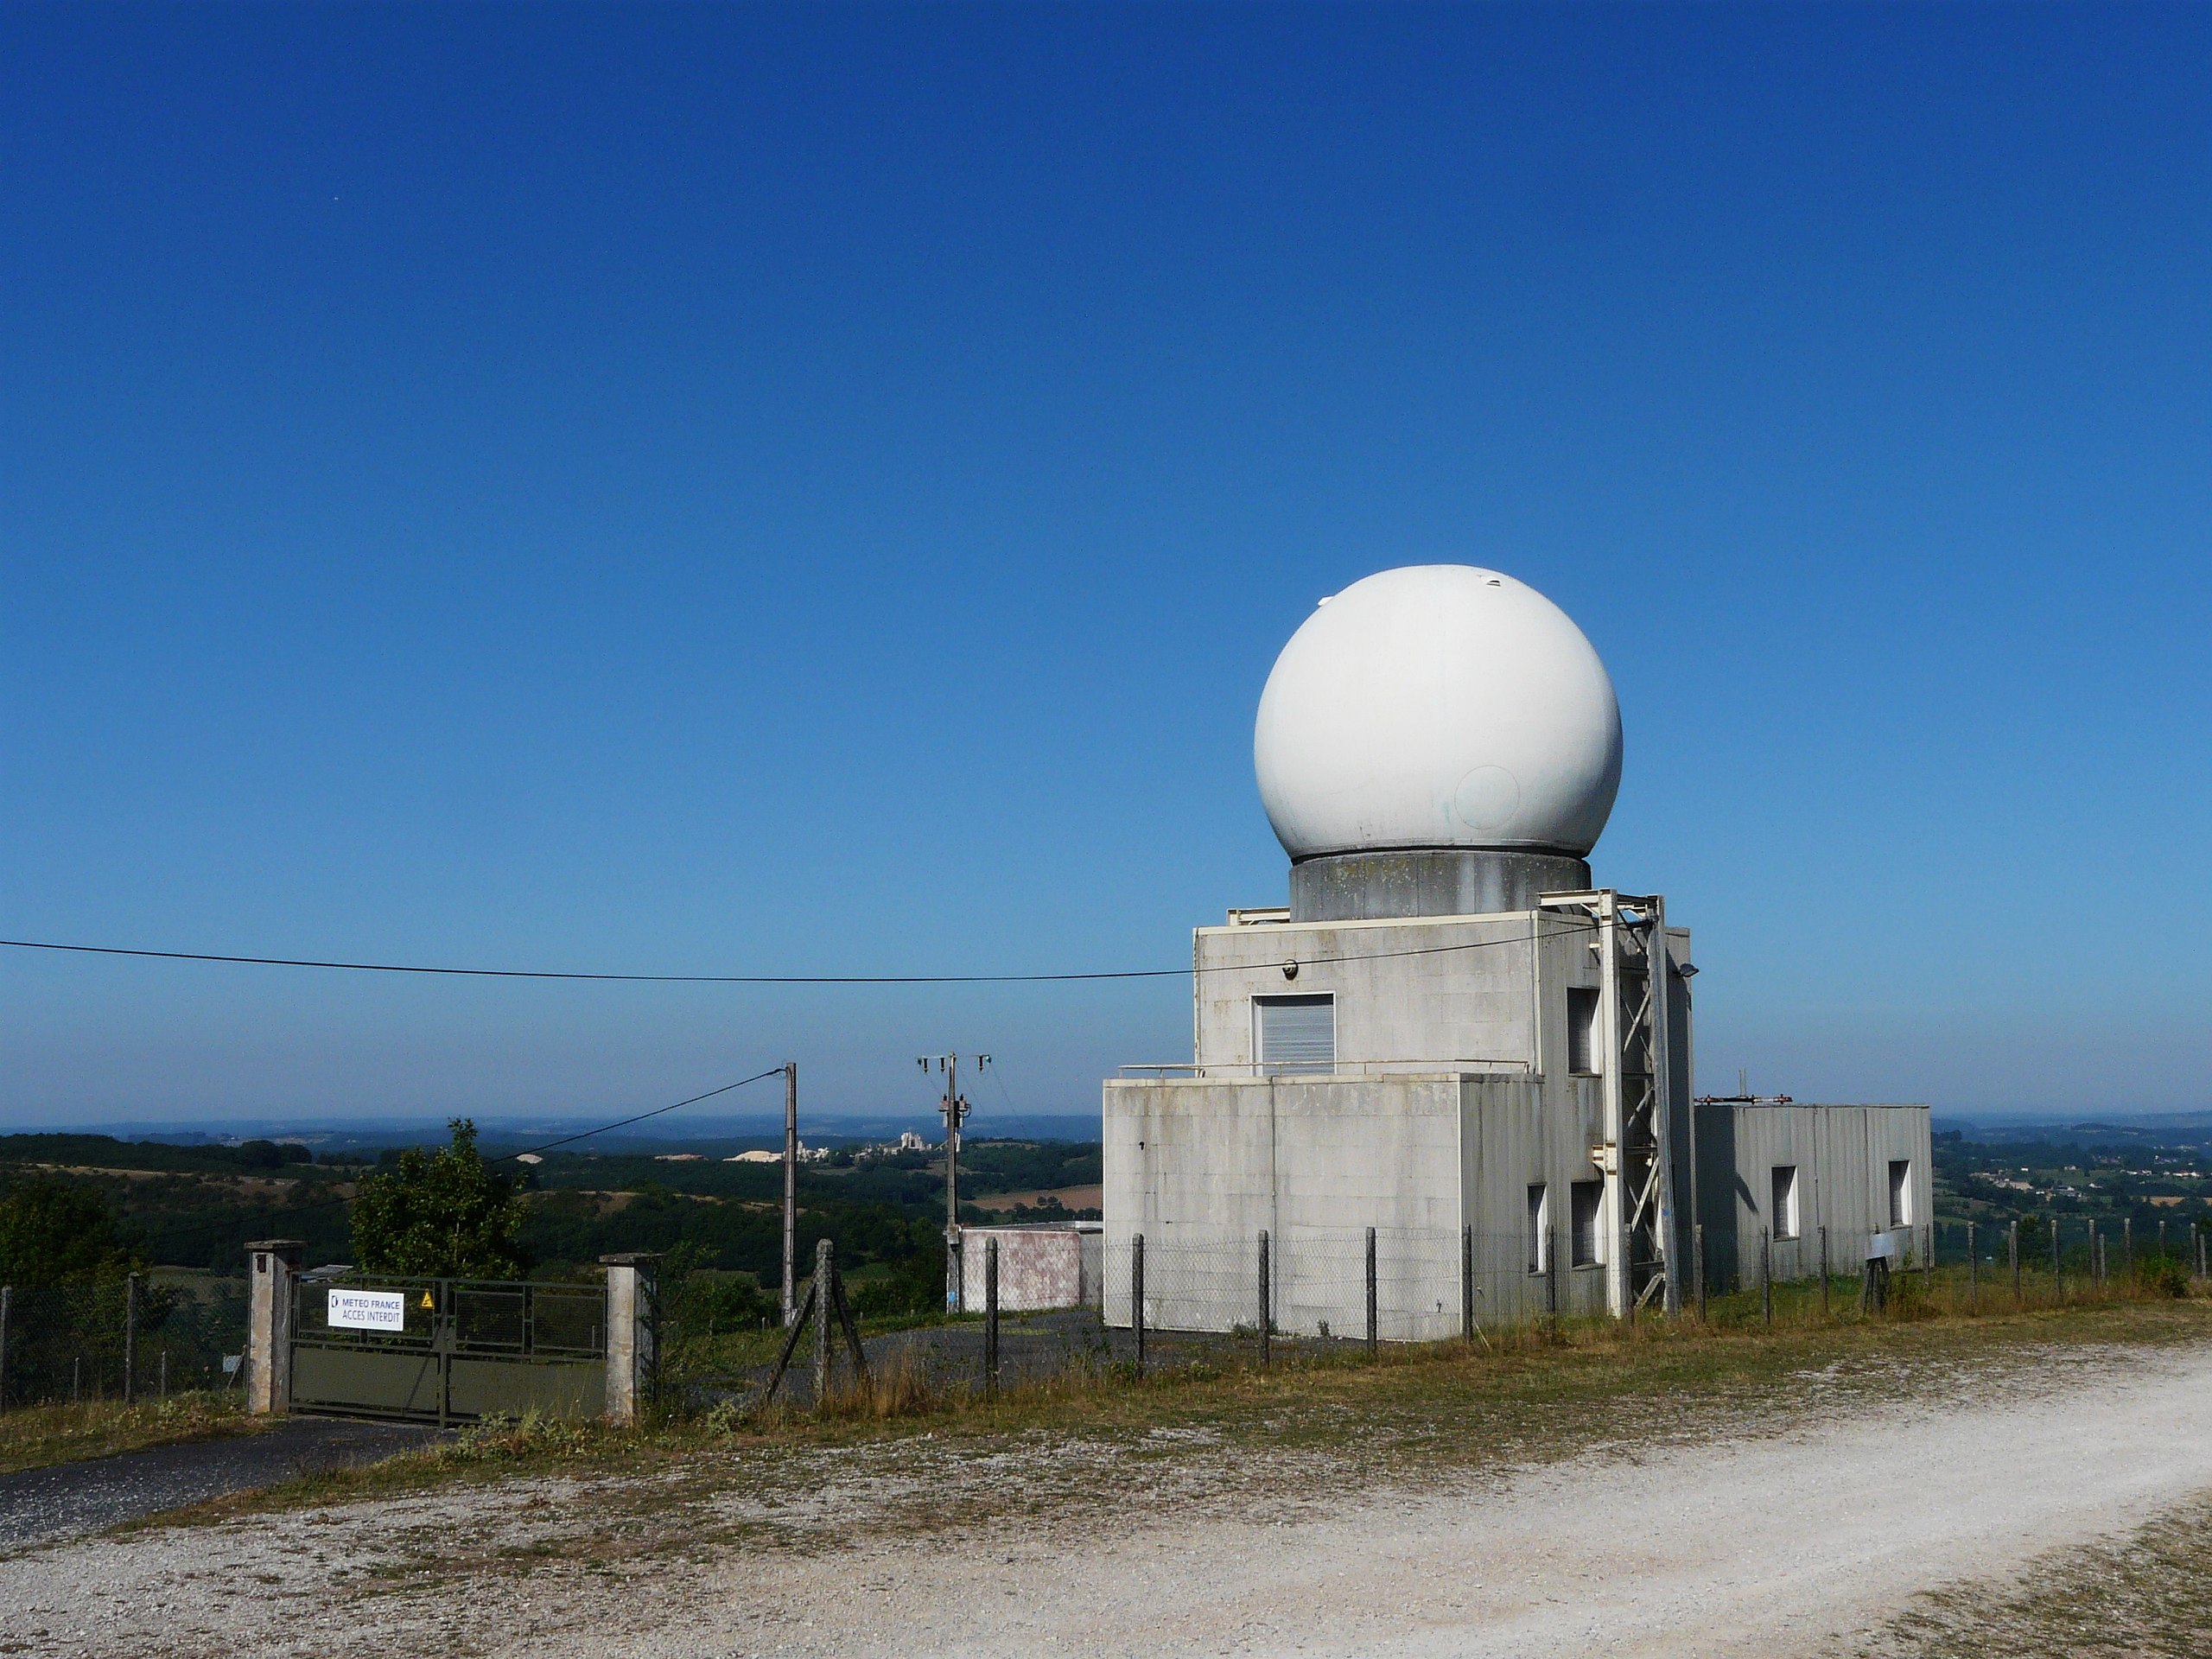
{"points": [[367, 1310]]}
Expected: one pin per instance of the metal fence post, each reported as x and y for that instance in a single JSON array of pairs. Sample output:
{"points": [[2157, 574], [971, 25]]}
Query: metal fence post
{"points": [[1467, 1280], [2014, 1247], [131, 1339], [2199, 1231], [7, 1308], [825, 1256], [1136, 1296], [1766, 1275], [1266, 1302], [991, 1316], [2096, 1255], [2127, 1245], [1824, 1273], [1371, 1334], [1974, 1274], [1928, 1261]]}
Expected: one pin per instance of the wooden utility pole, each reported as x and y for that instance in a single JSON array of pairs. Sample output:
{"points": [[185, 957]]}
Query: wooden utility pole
{"points": [[791, 1191], [954, 1109]]}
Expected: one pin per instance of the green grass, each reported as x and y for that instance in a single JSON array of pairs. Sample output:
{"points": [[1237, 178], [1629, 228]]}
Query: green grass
{"points": [[32, 1437]]}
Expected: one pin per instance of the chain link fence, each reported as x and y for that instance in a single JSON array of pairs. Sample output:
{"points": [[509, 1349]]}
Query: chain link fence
{"points": [[1213, 1299], [119, 1340]]}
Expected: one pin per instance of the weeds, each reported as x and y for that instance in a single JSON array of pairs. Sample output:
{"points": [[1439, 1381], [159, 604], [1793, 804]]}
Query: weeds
{"points": [[32, 1437]]}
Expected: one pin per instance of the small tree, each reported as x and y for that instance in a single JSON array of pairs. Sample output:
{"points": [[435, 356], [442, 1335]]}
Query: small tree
{"points": [[440, 1215], [59, 1233]]}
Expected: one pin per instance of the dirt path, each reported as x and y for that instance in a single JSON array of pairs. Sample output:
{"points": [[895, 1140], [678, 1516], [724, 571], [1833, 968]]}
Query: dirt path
{"points": [[1780, 1543]]}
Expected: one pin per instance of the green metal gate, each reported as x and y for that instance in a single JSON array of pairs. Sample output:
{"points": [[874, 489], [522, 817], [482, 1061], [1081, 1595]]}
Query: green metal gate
{"points": [[461, 1349]]}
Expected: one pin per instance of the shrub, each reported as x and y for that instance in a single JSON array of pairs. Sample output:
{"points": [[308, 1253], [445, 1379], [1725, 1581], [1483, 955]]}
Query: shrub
{"points": [[2161, 1275]]}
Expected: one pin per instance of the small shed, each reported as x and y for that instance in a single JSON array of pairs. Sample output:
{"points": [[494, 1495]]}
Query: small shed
{"points": [[1042, 1265]]}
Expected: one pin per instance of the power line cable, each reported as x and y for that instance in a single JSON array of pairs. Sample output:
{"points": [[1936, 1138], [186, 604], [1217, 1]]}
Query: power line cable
{"points": [[213, 1225], [730, 979]]}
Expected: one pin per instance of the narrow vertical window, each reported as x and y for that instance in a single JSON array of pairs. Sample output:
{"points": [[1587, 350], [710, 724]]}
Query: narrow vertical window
{"points": [[1782, 1214], [1540, 1228], [1588, 1199], [1581, 1032], [1900, 1192]]}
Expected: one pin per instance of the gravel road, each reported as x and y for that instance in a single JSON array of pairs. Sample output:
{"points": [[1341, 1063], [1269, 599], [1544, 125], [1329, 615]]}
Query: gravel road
{"points": [[69, 1500], [1789, 1541]]}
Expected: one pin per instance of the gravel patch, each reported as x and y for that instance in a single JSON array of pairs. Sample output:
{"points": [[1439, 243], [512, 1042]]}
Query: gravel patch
{"points": [[69, 1500], [1804, 1535]]}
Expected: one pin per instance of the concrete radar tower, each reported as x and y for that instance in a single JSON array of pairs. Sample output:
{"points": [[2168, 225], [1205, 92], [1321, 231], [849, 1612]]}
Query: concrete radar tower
{"points": [[1437, 739]]}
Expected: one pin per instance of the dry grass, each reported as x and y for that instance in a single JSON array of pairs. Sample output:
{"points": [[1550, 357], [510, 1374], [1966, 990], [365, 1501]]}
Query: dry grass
{"points": [[2148, 1594], [32, 1437], [1415, 1413]]}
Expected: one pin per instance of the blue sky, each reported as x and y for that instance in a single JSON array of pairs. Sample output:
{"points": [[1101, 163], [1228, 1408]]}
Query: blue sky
{"points": [[820, 491]]}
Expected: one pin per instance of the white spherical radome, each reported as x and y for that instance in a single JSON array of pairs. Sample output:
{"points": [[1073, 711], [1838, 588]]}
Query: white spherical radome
{"points": [[1438, 705]]}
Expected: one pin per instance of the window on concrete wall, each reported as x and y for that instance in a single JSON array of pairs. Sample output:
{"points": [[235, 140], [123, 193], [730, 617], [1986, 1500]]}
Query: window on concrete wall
{"points": [[1783, 1215], [1587, 1200], [1540, 1228], [1581, 1032], [1900, 1192], [1295, 1034]]}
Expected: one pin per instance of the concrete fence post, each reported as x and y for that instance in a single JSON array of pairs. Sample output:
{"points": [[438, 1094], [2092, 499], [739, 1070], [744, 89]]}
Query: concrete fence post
{"points": [[2199, 1231], [1697, 1266], [1467, 1280], [6, 1311], [2012, 1257], [1551, 1279], [1824, 1273], [1372, 1336], [991, 1316], [131, 1339], [1136, 1297], [274, 1264], [631, 1341], [2096, 1255], [2057, 1262], [825, 1263], [1766, 1275], [1266, 1303]]}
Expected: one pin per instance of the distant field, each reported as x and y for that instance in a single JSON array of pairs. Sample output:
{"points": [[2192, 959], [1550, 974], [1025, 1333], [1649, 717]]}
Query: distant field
{"points": [[1073, 1197]]}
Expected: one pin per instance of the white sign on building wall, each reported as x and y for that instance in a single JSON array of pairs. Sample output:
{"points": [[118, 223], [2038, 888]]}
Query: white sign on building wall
{"points": [[367, 1310]]}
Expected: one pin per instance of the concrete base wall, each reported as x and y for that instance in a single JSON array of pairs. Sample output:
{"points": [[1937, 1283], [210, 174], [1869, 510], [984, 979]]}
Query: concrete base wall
{"points": [[1429, 881], [1200, 1166]]}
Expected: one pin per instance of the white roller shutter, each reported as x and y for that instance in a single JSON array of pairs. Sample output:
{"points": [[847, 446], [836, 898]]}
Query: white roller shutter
{"points": [[1297, 1034]]}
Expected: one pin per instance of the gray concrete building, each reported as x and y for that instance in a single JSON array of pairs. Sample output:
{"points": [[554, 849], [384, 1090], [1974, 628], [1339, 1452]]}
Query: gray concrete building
{"points": [[1450, 1049]]}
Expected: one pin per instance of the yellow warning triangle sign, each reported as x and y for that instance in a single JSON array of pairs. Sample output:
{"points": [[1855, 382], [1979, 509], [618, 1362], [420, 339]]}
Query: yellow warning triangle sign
{"points": [[427, 1300]]}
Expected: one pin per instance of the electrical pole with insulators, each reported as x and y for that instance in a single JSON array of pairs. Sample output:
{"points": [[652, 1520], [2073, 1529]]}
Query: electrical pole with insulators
{"points": [[954, 1109], [791, 1191]]}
